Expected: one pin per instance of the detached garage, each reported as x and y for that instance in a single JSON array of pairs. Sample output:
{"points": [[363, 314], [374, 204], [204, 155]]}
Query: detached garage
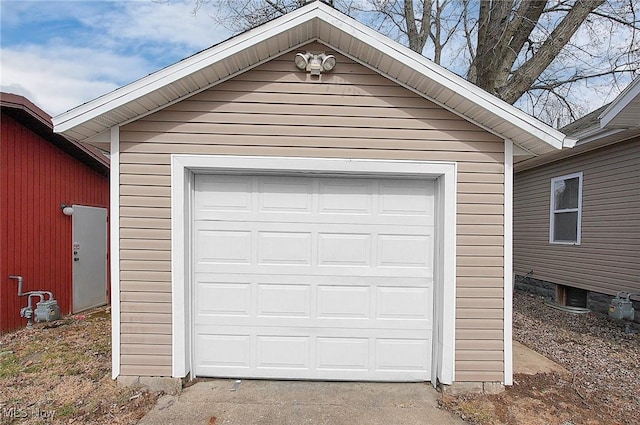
{"points": [[310, 200]]}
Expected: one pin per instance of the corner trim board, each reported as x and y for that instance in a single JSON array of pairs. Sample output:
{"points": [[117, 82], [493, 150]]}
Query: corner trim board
{"points": [[114, 194], [508, 262]]}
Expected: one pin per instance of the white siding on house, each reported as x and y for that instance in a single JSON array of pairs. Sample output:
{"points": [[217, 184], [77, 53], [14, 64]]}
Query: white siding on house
{"points": [[276, 110]]}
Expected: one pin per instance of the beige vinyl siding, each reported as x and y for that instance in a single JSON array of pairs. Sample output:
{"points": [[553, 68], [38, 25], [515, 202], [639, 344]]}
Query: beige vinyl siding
{"points": [[276, 110], [608, 258]]}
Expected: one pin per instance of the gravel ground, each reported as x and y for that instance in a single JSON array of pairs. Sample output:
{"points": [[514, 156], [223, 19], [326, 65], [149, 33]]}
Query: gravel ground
{"points": [[604, 361], [602, 386]]}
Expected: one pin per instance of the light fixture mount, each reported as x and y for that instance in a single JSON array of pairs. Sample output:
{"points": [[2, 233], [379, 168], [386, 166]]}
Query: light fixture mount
{"points": [[315, 63], [66, 209]]}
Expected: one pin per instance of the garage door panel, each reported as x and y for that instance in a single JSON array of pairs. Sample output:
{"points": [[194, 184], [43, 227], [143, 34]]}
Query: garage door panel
{"points": [[417, 280], [369, 355], [344, 302], [265, 299], [287, 248], [285, 195], [285, 199], [401, 247], [405, 250], [224, 246], [344, 249], [346, 197], [327, 218], [406, 198], [224, 299], [343, 353], [223, 194], [313, 228], [316, 331], [333, 320], [404, 303], [313, 278], [402, 354], [224, 350], [283, 352], [283, 301], [337, 272]]}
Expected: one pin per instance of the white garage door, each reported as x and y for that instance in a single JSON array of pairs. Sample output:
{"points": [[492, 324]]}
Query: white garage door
{"points": [[313, 278]]}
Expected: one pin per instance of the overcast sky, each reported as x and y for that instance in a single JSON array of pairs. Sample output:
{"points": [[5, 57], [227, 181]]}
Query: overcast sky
{"points": [[60, 54]]}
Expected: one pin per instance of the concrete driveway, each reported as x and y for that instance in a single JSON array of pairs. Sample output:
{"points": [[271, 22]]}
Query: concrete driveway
{"points": [[249, 402]]}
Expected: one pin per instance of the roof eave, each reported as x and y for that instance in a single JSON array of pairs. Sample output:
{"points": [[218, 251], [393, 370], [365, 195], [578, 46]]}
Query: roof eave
{"points": [[39, 121], [524, 130], [146, 85]]}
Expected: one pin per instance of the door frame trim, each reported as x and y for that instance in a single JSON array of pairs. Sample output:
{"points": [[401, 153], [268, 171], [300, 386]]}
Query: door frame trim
{"points": [[183, 169]]}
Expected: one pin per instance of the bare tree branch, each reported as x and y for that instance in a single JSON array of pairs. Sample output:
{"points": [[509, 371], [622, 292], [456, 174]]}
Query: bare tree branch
{"points": [[514, 49], [522, 78]]}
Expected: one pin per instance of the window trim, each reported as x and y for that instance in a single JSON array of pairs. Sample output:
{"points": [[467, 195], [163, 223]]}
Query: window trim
{"points": [[553, 211]]}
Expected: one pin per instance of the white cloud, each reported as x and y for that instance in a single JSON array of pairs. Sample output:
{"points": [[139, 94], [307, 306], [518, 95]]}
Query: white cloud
{"points": [[120, 42], [172, 25], [58, 78]]}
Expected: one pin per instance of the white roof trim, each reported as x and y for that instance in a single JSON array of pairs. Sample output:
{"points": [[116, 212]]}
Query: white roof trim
{"points": [[170, 74], [620, 103], [91, 118]]}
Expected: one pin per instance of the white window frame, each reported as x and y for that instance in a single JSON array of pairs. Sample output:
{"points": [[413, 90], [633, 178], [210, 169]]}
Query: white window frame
{"points": [[553, 211]]}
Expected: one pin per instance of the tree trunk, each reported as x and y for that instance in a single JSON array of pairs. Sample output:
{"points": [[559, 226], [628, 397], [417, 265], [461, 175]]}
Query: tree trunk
{"points": [[523, 78]]}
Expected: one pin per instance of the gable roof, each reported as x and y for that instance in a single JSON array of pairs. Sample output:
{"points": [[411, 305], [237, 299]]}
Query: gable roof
{"points": [[31, 116], [612, 123], [624, 111], [621, 115], [313, 22]]}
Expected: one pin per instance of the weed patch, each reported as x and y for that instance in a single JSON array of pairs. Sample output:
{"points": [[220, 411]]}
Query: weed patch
{"points": [[60, 373]]}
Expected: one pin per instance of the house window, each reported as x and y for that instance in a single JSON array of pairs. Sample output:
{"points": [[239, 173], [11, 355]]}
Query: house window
{"points": [[566, 209]]}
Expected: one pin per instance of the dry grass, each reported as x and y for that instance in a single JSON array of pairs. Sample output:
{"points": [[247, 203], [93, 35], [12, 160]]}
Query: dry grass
{"points": [[60, 373]]}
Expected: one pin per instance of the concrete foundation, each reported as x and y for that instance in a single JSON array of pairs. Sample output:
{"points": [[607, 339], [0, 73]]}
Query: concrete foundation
{"points": [[163, 384], [472, 388], [596, 301], [535, 286]]}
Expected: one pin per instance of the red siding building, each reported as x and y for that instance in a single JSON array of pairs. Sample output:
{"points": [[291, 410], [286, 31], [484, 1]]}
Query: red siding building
{"points": [[39, 171]]}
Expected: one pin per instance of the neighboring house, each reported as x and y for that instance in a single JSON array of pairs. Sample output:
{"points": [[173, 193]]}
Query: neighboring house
{"points": [[40, 171], [277, 222], [577, 211]]}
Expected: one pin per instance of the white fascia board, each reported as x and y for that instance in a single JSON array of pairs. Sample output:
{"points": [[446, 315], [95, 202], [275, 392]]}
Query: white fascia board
{"points": [[446, 78], [625, 98], [569, 142], [177, 71], [592, 134]]}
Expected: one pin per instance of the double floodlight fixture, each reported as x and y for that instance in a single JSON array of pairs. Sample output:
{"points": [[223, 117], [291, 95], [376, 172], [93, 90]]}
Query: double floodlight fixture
{"points": [[315, 63]]}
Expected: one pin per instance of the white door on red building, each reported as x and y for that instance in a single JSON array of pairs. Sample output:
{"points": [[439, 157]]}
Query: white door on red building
{"points": [[89, 257]]}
